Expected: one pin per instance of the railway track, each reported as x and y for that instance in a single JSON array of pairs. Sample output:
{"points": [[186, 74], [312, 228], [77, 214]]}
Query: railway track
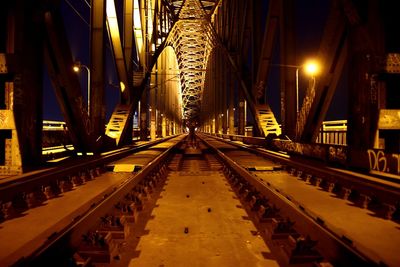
{"points": [[167, 197], [19, 193], [346, 232], [380, 196], [40, 207]]}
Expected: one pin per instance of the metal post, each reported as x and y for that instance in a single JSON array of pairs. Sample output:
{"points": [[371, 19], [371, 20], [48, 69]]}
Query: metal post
{"points": [[97, 102], [78, 66], [231, 117], [88, 87], [297, 90]]}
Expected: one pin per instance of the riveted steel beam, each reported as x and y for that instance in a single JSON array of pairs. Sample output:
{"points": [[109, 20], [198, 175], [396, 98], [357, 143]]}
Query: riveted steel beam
{"points": [[332, 55], [97, 67], [66, 84]]}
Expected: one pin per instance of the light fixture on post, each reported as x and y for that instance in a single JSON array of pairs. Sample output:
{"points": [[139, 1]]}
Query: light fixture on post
{"points": [[77, 66], [311, 67]]}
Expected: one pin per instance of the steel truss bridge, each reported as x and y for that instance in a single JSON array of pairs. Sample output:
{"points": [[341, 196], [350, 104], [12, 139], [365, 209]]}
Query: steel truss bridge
{"points": [[209, 93]]}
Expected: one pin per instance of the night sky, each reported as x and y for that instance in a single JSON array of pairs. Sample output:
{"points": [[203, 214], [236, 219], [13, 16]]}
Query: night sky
{"points": [[77, 29], [310, 17], [309, 21]]}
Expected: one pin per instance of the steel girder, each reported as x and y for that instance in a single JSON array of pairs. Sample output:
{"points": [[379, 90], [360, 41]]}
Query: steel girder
{"points": [[118, 53], [149, 34], [66, 84], [175, 6], [236, 27], [21, 80], [85, 130], [97, 112], [332, 55]]}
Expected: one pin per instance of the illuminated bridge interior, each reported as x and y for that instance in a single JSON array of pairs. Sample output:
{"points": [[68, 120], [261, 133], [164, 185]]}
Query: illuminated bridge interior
{"points": [[199, 132]]}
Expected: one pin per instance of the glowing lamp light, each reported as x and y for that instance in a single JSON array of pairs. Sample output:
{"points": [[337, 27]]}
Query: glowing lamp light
{"points": [[122, 86], [312, 67], [75, 68]]}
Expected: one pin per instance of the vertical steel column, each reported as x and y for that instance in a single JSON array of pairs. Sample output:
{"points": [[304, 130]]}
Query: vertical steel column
{"points": [[163, 94], [118, 53], [269, 40], [168, 124], [128, 33], [128, 49], [97, 58], [241, 113], [231, 104], [220, 89], [224, 95], [21, 86], [215, 91], [205, 105], [368, 41], [143, 116], [65, 82], [153, 106], [163, 126], [256, 40], [143, 14], [170, 110], [287, 75], [332, 56]]}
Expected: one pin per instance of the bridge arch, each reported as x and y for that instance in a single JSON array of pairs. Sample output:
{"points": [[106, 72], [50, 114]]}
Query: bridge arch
{"points": [[163, 96]]}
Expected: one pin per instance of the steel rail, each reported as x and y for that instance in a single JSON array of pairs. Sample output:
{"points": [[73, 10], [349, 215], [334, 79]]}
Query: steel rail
{"points": [[383, 190], [71, 236], [334, 248], [31, 181]]}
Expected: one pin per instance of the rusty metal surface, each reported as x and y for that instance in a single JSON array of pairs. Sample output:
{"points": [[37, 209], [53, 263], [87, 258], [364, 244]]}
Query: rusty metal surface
{"points": [[389, 119], [21, 115]]}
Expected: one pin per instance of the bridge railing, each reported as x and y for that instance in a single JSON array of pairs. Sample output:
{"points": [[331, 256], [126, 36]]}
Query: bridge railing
{"points": [[53, 125], [333, 133]]}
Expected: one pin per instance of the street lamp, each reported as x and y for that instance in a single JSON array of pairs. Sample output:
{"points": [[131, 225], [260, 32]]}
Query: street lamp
{"points": [[77, 66], [311, 67]]}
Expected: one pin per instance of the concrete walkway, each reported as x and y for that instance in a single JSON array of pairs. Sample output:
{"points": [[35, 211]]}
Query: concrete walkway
{"points": [[221, 236]]}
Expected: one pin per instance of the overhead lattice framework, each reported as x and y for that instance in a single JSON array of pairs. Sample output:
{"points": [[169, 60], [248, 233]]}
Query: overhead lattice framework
{"points": [[192, 39]]}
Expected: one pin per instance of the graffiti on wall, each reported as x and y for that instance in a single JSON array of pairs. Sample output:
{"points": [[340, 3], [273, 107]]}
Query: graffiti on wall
{"points": [[337, 154], [381, 162], [329, 153]]}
